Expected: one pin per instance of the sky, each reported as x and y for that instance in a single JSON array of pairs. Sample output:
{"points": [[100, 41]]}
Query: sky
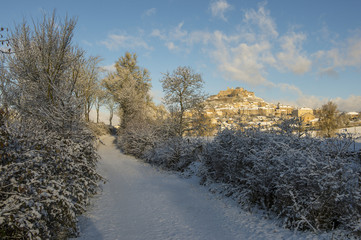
{"points": [[301, 52]]}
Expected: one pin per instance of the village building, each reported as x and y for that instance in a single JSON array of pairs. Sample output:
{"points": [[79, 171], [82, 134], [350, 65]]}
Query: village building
{"points": [[305, 114], [353, 115]]}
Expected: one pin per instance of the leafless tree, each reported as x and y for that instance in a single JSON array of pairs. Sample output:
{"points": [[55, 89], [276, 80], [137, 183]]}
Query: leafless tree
{"points": [[44, 70], [183, 91]]}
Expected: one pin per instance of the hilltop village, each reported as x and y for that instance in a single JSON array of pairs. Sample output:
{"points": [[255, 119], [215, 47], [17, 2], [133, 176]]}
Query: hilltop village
{"points": [[231, 107]]}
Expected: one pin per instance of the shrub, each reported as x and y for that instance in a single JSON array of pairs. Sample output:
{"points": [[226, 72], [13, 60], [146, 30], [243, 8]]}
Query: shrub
{"points": [[99, 129], [140, 137], [309, 182], [45, 182], [175, 154]]}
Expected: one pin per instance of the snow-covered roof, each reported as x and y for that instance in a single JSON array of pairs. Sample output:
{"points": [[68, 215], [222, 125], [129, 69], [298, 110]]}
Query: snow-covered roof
{"points": [[352, 113]]}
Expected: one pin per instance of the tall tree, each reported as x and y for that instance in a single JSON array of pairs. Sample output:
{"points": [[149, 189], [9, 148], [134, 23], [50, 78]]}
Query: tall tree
{"points": [[129, 87], [88, 83], [111, 106], [100, 98], [183, 91], [44, 71], [328, 119]]}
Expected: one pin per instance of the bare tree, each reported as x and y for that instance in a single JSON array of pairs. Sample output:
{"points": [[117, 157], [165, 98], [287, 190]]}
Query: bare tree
{"points": [[45, 68], [112, 106], [88, 83], [183, 91], [100, 98]]}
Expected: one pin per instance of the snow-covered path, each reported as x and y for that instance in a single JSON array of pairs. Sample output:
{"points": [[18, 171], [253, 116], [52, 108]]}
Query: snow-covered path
{"points": [[140, 202]]}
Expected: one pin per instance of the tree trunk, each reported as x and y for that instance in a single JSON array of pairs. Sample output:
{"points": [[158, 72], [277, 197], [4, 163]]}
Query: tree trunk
{"points": [[98, 114], [110, 117]]}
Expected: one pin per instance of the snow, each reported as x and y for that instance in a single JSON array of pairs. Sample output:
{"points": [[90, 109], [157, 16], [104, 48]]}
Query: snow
{"points": [[356, 134], [141, 202]]}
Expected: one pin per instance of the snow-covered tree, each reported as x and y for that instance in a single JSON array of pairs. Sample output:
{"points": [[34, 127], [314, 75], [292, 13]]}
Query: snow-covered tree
{"points": [[87, 86], [129, 86], [328, 122], [183, 91], [44, 71], [47, 153]]}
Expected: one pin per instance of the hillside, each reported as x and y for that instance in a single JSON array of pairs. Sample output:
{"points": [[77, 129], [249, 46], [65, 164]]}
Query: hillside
{"points": [[232, 106]]}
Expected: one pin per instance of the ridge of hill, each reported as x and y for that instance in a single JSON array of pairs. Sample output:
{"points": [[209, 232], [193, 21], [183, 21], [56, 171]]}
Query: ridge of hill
{"points": [[239, 101]]}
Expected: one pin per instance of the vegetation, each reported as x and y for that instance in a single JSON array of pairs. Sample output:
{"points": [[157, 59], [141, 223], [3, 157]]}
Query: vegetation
{"points": [[183, 91], [47, 143], [328, 119], [47, 153], [129, 87]]}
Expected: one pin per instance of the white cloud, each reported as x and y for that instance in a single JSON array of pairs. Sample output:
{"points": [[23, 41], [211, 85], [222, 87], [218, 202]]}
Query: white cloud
{"points": [[109, 68], [119, 41], [198, 37], [310, 101], [328, 72], [290, 88], [243, 62], [159, 34], [353, 103], [171, 46], [150, 12], [262, 19], [344, 54], [348, 55], [218, 8], [178, 33], [244, 56], [292, 57], [177, 36]]}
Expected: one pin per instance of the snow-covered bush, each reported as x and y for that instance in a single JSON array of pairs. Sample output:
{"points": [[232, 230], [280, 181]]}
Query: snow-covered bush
{"points": [[45, 181], [175, 154], [99, 129], [47, 154], [140, 137], [310, 183]]}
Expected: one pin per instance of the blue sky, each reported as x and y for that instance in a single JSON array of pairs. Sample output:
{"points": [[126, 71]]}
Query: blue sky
{"points": [[300, 52]]}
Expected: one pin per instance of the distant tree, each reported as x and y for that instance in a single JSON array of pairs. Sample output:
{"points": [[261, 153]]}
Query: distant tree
{"points": [[88, 83], [200, 123], [328, 119], [112, 106], [183, 91], [292, 126], [100, 98], [129, 87], [344, 120]]}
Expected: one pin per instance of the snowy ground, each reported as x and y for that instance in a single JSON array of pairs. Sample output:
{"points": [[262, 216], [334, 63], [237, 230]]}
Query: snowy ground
{"points": [[141, 202]]}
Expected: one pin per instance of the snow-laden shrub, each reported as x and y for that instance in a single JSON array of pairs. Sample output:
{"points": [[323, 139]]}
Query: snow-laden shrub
{"points": [[140, 137], [45, 182], [99, 129], [175, 154], [310, 183]]}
